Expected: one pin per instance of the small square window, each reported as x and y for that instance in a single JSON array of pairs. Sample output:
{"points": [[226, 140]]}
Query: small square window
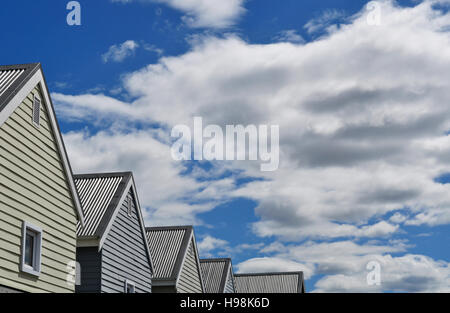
{"points": [[31, 249], [36, 111], [130, 287]]}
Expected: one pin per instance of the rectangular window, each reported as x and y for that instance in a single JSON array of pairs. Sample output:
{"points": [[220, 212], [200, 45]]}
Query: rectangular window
{"points": [[31, 249], [36, 111], [130, 287], [129, 206]]}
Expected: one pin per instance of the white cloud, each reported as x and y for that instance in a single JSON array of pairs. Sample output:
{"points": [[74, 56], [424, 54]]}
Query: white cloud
{"points": [[208, 244], [363, 128], [118, 53], [268, 265], [324, 20], [162, 190], [290, 35], [204, 13], [344, 267]]}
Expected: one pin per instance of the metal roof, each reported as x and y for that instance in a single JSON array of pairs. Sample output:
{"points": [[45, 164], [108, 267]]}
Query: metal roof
{"points": [[215, 274], [168, 245], [99, 195], [12, 79], [270, 283]]}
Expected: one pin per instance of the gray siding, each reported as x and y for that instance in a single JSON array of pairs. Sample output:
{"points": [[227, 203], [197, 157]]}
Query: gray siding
{"points": [[189, 281], [229, 285], [163, 289], [90, 263], [124, 255]]}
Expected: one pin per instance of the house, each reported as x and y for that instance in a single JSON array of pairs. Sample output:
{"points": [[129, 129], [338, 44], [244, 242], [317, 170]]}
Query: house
{"points": [[175, 259], [39, 204], [291, 282], [218, 275], [112, 249]]}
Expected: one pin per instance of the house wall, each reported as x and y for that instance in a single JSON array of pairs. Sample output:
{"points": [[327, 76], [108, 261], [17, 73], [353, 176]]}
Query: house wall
{"points": [[4, 289], [34, 188], [163, 289], [124, 256], [229, 285], [90, 261], [189, 281]]}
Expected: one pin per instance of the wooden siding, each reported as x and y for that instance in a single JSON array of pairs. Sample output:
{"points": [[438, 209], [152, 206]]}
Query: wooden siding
{"points": [[189, 281], [34, 188], [90, 261], [229, 285], [124, 255]]}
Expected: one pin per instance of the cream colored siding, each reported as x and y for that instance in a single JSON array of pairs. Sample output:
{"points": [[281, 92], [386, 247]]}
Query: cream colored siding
{"points": [[189, 281], [34, 188]]}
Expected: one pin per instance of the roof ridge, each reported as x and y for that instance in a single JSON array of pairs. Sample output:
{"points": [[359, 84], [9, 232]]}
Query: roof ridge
{"points": [[102, 175], [160, 228], [270, 273]]}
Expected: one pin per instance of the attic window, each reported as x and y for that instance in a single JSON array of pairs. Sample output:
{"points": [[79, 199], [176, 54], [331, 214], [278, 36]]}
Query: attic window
{"points": [[36, 111], [129, 206]]}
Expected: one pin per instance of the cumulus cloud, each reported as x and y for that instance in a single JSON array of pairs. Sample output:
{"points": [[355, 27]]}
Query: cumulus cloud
{"points": [[289, 35], [204, 13], [268, 265], [361, 112], [162, 190], [208, 244], [343, 265], [118, 53], [363, 123]]}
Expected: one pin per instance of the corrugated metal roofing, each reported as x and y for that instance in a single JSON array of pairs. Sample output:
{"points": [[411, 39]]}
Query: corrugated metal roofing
{"points": [[96, 194], [214, 273], [8, 77], [167, 246], [12, 79], [269, 283]]}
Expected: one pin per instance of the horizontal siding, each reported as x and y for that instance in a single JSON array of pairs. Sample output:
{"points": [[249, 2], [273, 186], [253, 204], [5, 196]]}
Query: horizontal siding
{"points": [[90, 262], [229, 285], [124, 254], [189, 280], [34, 189]]}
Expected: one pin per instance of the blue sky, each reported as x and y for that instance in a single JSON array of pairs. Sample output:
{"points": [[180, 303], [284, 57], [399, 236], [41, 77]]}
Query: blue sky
{"points": [[364, 132]]}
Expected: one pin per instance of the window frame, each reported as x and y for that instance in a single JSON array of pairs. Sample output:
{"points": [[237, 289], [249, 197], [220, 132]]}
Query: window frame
{"points": [[129, 283], [129, 206], [38, 124], [35, 269]]}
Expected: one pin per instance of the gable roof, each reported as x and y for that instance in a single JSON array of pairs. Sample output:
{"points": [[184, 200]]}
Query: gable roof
{"points": [[101, 196], [215, 274], [13, 78], [16, 83], [169, 247], [289, 282]]}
